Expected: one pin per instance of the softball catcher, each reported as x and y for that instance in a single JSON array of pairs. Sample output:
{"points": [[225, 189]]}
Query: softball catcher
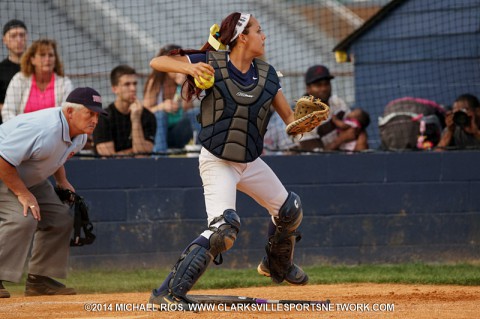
{"points": [[234, 114]]}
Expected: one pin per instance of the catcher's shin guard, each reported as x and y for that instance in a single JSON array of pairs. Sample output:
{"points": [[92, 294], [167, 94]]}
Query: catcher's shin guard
{"points": [[188, 269], [278, 263]]}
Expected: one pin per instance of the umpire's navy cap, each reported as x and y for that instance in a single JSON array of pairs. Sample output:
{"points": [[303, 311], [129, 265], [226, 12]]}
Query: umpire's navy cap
{"points": [[316, 73], [88, 97]]}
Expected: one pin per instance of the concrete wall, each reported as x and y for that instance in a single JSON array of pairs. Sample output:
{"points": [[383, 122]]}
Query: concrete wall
{"points": [[361, 208]]}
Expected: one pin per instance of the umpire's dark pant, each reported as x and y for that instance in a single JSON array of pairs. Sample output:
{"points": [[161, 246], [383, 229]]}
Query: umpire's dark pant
{"points": [[50, 235]]}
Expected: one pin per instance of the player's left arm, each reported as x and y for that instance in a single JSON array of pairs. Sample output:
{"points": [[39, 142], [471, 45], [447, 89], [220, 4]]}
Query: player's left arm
{"points": [[282, 107]]}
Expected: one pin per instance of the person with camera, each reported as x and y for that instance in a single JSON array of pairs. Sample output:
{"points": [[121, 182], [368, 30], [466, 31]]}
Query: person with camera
{"points": [[462, 124]]}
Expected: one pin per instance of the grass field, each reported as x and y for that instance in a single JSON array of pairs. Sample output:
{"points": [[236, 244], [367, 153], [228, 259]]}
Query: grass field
{"points": [[420, 291], [108, 280]]}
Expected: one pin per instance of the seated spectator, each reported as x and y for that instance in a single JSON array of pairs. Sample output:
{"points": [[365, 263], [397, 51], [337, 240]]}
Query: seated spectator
{"points": [[176, 118], [351, 132], [15, 39], [40, 84], [462, 124], [318, 83], [129, 128]]}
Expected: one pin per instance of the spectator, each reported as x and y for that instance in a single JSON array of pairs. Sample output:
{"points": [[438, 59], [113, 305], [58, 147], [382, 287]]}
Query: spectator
{"points": [[34, 147], [462, 124], [276, 138], [40, 84], [351, 131], [175, 117], [129, 128], [15, 39], [234, 117], [318, 83]]}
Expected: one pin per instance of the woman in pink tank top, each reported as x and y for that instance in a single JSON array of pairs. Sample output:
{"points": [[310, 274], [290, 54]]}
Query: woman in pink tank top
{"points": [[41, 83]]}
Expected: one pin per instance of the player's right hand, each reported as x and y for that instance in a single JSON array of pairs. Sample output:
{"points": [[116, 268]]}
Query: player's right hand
{"points": [[200, 69]]}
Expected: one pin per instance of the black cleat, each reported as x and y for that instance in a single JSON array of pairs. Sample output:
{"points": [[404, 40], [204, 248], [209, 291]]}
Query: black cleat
{"points": [[295, 275]]}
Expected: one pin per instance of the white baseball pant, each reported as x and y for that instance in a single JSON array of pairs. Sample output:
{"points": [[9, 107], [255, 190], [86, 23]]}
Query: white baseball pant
{"points": [[222, 178]]}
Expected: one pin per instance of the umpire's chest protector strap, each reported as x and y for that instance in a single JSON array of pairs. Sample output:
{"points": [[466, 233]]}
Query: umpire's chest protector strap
{"points": [[234, 118]]}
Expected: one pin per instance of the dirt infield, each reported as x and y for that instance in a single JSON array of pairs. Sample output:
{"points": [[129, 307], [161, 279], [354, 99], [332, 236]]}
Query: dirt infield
{"points": [[347, 301]]}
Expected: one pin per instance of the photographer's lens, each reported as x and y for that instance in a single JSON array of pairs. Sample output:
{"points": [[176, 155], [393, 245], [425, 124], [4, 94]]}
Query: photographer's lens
{"points": [[461, 118]]}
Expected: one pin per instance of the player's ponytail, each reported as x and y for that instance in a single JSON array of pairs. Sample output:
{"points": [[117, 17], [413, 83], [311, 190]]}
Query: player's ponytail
{"points": [[225, 36]]}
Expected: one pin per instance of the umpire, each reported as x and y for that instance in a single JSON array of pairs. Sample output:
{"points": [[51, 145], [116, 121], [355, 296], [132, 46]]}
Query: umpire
{"points": [[33, 147]]}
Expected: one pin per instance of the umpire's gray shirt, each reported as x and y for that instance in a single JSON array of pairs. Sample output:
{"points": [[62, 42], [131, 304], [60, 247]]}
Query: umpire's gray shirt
{"points": [[38, 144]]}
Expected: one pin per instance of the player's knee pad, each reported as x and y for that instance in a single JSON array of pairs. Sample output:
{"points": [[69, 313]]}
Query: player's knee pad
{"points": [[188, 269], [290, 214], [224, 236]]}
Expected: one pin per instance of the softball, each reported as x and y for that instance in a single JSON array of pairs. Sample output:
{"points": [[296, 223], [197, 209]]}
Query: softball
{"points": [[207, 81]]}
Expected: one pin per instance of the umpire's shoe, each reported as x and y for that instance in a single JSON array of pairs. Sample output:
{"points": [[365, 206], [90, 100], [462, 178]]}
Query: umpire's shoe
{"points": [[3, 292], [295, 275], [168, 302], [40, 285]]}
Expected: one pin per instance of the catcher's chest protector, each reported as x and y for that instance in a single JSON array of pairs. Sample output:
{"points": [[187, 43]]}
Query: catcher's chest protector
{"points": [[234, 118]]}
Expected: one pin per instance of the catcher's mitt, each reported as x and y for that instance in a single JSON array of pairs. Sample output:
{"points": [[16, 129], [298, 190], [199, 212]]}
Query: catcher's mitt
{"points": [[309, 113]]}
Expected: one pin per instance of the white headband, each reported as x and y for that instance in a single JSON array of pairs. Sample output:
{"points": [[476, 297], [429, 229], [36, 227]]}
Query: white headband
{"points": [[241, 24]]}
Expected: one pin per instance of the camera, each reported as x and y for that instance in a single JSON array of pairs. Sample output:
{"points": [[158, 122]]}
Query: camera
{"points": [[461, 118]]}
